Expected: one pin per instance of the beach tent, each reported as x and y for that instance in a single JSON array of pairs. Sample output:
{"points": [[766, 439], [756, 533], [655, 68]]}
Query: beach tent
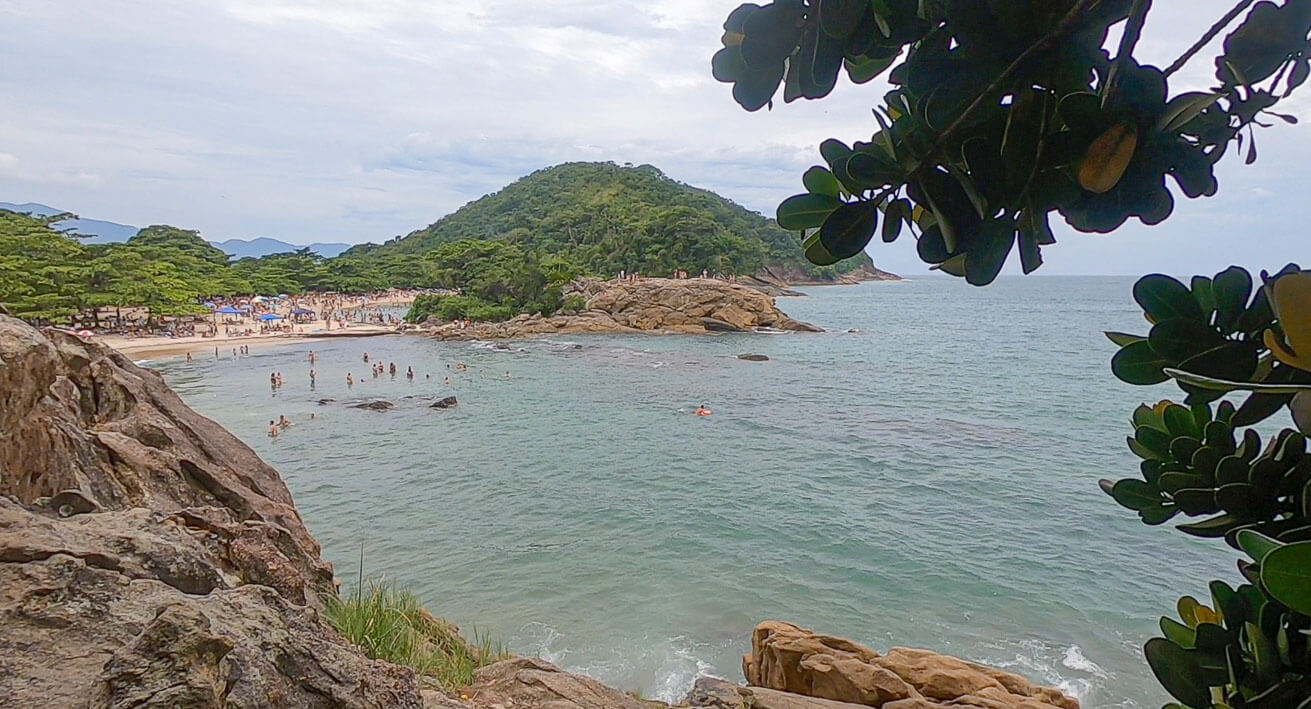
{"points": [[228, 310], [268, 317], [245, 306], [302, 311]]}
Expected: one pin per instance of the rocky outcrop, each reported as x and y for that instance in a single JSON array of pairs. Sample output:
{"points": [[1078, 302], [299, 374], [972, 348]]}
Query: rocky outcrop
{"points": [[662, 305], [150, 559], [524, 683], [448, 402], [790, 659]]}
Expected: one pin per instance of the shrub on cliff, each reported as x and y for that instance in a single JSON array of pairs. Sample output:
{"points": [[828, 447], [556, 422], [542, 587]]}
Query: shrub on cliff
{"points": [[389, 623]]}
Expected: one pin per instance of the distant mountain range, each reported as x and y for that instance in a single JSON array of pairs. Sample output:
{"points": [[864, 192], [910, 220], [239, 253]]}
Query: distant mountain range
{"points": [[95, 231]]}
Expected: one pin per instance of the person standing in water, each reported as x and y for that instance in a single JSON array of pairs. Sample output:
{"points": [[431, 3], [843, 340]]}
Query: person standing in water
{"points": [[273, 380], [311, 378], [350, 381], [409, 373], [702, 410], [273, 429], [392, 369], [313, 357], [366, 356], [189, 358]]}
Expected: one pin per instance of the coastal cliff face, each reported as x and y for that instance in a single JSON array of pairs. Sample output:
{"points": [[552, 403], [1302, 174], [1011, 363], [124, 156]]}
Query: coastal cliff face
{"points": [[663, 305], [149, 559]]}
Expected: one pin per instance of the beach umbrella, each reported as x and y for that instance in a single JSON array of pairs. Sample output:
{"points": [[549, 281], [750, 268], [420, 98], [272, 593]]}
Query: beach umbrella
{"points": [[85, 333], [267, 317], [302, 311], [245, 306], [228, 310], [211, 306]]}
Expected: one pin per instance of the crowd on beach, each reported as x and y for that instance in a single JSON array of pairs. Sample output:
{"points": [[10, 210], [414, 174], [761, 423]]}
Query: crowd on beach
{"points": [[678, 275], [256, 315]]}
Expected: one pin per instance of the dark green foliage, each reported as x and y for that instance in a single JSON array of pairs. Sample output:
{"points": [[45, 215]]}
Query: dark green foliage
{"points": [[492, 281], [1214, 328], [1250, 648], [1002, 113], [606, 218]]}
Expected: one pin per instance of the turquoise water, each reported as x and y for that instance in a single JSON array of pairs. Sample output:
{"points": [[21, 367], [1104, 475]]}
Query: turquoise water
{"points": [[930, 480]]}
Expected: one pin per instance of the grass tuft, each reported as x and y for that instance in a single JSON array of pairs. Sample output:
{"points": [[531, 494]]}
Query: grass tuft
{"points": [[389, 623]]}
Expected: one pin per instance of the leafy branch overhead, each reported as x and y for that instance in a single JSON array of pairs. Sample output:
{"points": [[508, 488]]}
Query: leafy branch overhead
{"points": [[1002, 112]]}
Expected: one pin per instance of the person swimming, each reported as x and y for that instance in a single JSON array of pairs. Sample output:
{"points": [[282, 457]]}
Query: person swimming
{"points": [[366, 356], [283, 422], [409, 372], [702, 410], [448, 381], [350, 380], [273, 429], [273, 380], [392, 369]]}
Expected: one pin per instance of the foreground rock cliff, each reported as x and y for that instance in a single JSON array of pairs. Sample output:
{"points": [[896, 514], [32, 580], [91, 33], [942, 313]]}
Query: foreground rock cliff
{"points": [[149, 559], [684, 306]]}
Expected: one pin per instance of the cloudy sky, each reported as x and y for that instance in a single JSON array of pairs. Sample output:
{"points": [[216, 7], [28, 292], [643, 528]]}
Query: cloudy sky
{"points": [[357, 120]]}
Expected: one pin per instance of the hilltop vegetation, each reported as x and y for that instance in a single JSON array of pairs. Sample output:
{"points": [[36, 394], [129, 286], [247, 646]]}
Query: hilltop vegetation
{"points": [[507, 253], [606, 218]]}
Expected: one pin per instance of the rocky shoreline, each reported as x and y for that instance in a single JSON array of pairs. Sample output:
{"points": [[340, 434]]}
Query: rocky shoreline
{"points": [[150, 559], [650, 305]]}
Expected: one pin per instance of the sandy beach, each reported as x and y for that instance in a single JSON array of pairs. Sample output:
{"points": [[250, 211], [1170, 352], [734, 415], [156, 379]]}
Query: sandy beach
{"points": [[148, 347]]}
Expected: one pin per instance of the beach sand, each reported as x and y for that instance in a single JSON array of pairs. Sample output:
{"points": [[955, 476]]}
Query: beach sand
{"points": [[150, 347]]}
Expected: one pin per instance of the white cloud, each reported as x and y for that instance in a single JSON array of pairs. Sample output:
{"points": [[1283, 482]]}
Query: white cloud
{"points": [[362, 119]]}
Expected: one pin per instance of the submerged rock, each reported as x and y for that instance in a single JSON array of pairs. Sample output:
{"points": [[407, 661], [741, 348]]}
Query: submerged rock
{"points": [[530, 682], [447, 403], [787, 658], [375, 405], [753, 357]]}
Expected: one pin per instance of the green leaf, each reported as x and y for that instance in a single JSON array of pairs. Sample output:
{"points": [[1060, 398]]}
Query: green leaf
{"points": [[1178, 633], [1204, 382], [1163, 298], [866, 70], [815, 251], [1256, 545], [849, 229], [1182, 338], [1232, 289], [1265, 656], [988, 253], [1179, 671], [1135, 494], [1139, 364], [1124, 339], [839, 18], [1286, 574], [1183, 108], [821, 181], [1213, 527], [806, 211], [894, 216]]}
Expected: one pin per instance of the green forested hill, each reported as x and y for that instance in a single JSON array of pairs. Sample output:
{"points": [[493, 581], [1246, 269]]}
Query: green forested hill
{"points": [[606, 218]]}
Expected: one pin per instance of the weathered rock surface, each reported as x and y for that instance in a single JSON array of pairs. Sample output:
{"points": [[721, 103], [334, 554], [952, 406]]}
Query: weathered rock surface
{"points": [[449, 402], [529, 683], [787, 658], [150, 559], [714, 693], [691, 306], [753, 357]]}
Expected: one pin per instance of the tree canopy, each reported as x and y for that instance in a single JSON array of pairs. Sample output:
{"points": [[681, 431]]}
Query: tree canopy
{"points": [[1001, 113]]}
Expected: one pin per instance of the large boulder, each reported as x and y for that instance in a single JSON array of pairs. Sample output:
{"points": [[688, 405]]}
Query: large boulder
{"points": [[150, 559], [787, 658]]}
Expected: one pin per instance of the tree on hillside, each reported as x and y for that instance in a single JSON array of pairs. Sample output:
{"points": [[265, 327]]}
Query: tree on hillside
{"points": [[183, 240], [1003, 113], [41, 271]]}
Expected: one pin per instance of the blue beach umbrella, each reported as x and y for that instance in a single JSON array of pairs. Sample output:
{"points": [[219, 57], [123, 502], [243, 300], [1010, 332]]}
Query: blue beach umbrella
{"points": [[228, 310], [267, 317]]}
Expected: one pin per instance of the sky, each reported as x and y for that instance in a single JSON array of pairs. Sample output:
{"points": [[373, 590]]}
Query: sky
{"points": [[360, 120]]}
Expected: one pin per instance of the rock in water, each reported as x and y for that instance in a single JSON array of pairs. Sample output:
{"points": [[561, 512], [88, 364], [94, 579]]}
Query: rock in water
{"points": [[787, 658], [182, 574], [447, 403], [375, 405], [753, 357]]}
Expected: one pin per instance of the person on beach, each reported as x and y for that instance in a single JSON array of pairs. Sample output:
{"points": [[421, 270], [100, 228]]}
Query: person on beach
{"points": [[702, 410], [273, 429]]}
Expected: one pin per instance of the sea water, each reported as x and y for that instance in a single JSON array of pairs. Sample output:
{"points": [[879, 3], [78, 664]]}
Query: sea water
{"points": [[924, 474]]}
